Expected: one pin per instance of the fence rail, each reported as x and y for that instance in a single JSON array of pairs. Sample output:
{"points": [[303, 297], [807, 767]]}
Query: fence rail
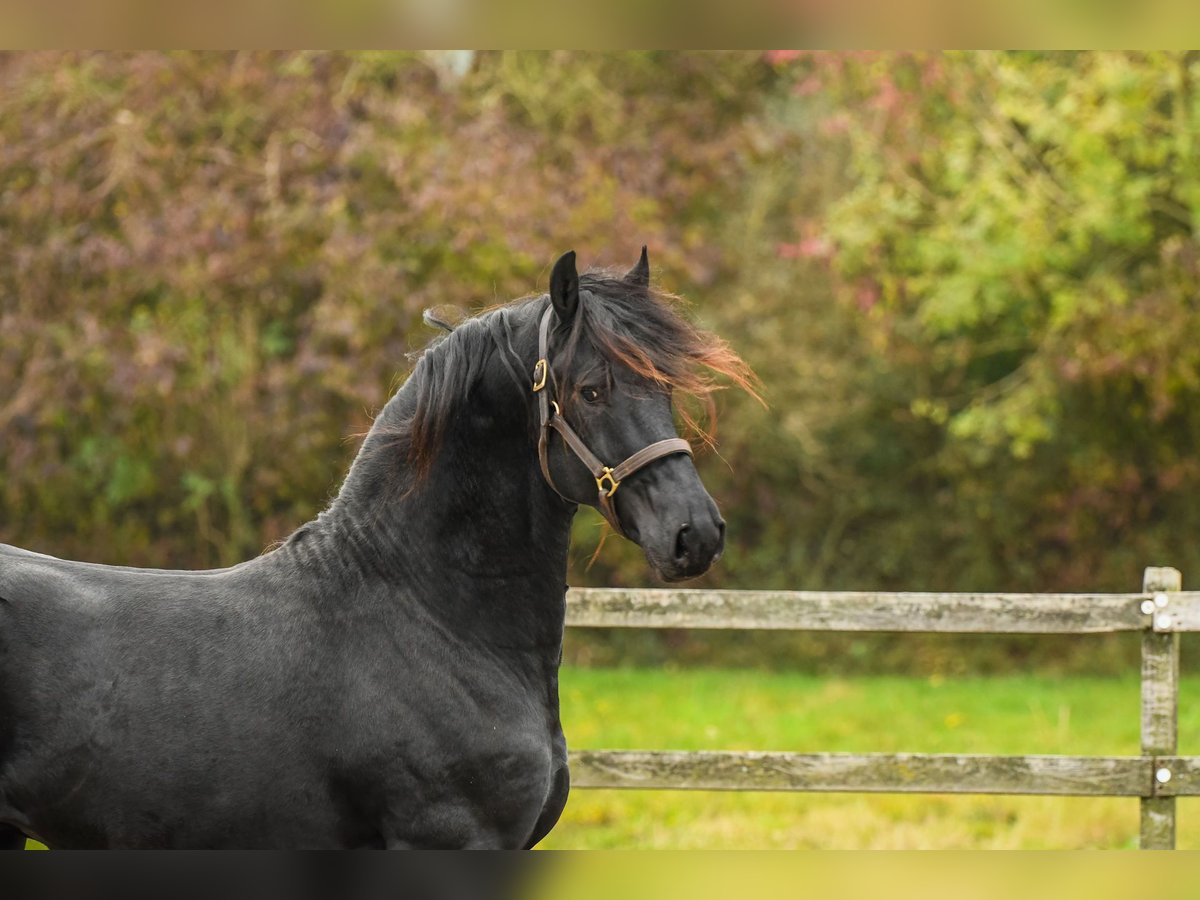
{"points": [[1160, 611], [877, 611]]}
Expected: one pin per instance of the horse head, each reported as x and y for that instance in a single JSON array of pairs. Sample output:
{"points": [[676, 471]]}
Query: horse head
{"points": [[613, 353]]}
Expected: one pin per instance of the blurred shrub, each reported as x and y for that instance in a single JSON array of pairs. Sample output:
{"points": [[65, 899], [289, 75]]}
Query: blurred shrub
{"points": [[968, 282], [1019, 242], [213, 265]]}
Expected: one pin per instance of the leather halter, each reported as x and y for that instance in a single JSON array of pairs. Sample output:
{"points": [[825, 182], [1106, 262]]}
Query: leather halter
{"points": [[608, 478]]}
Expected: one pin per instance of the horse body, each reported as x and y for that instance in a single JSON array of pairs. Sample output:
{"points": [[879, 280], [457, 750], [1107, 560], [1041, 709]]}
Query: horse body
{"points": [[388, 677]]}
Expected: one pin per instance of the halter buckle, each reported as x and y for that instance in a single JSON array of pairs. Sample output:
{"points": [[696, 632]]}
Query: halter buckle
{"points": [[540, 371], [613, 484]]}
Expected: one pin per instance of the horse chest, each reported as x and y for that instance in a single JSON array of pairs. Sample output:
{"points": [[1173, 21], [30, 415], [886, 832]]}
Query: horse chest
{"points": [[459, 757]]}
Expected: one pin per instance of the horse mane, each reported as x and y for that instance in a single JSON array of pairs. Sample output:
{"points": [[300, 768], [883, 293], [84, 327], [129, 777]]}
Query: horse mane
{"points": [[630, 324]]}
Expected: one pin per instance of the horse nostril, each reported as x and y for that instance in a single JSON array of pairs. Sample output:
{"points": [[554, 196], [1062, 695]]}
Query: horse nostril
{"points": [[681, 543]]}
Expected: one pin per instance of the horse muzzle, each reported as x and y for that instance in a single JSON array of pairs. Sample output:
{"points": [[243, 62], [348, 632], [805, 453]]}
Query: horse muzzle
{"points": [[698, 544], [674, 520]]}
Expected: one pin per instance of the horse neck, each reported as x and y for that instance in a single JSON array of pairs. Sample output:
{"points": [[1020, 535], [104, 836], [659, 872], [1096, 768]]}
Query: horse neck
{"points": [[480, 538]]}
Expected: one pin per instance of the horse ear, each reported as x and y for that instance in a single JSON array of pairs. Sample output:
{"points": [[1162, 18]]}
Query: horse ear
{"points": [[640, 274], [564, 287]]}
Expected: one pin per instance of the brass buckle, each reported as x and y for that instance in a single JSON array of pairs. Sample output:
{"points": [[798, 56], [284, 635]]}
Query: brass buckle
{"points": [[612, 482], [540, 371]]}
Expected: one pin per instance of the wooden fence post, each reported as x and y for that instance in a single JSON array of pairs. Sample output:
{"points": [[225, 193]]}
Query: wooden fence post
{"points": [[1160, 703]]}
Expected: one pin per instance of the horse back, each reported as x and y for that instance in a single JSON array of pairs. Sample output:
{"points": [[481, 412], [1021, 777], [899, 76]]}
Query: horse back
{"points": [[129, 689]]}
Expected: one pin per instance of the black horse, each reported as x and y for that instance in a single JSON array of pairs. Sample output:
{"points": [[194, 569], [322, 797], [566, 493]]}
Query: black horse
{"points": [[388, 676]]}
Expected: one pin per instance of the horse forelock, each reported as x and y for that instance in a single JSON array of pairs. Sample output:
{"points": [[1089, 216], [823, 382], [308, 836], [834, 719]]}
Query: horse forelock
{"points": [[646, 330]]}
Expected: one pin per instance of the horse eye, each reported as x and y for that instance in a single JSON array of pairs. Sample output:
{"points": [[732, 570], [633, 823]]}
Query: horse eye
{"points": [[591, 395]]}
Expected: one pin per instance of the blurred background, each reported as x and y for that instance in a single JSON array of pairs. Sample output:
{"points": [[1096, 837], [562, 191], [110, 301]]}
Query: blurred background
{"points": [[969, 282]]}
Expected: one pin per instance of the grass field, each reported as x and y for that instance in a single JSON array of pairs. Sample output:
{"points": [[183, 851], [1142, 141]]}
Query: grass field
{"points": [[743, 710]]}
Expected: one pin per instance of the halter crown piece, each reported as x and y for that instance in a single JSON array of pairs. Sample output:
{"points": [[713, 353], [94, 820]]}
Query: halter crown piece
{"points": [[608, 478]]}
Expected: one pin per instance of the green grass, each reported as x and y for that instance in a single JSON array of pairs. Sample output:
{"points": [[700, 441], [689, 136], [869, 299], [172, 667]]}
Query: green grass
{"points": [[745, 710]]}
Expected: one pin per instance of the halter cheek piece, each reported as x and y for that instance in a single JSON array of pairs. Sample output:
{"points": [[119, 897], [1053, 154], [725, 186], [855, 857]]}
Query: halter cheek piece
{"points": [[608, 478]]}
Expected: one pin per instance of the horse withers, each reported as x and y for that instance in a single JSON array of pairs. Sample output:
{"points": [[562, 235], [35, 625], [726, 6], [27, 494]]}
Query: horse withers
{"points": [[388, 676]]}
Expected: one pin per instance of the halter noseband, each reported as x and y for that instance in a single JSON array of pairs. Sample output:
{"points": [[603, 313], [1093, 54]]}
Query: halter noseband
{"points": [[608, 478]]}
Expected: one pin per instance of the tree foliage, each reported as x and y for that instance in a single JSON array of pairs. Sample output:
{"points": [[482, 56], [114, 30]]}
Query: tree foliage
{"points": [[1019, 239], [968, 281], [213, 265]]}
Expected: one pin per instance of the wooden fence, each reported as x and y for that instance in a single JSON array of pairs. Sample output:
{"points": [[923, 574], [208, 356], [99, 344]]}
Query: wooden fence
{"points": [[1160, 612]]}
